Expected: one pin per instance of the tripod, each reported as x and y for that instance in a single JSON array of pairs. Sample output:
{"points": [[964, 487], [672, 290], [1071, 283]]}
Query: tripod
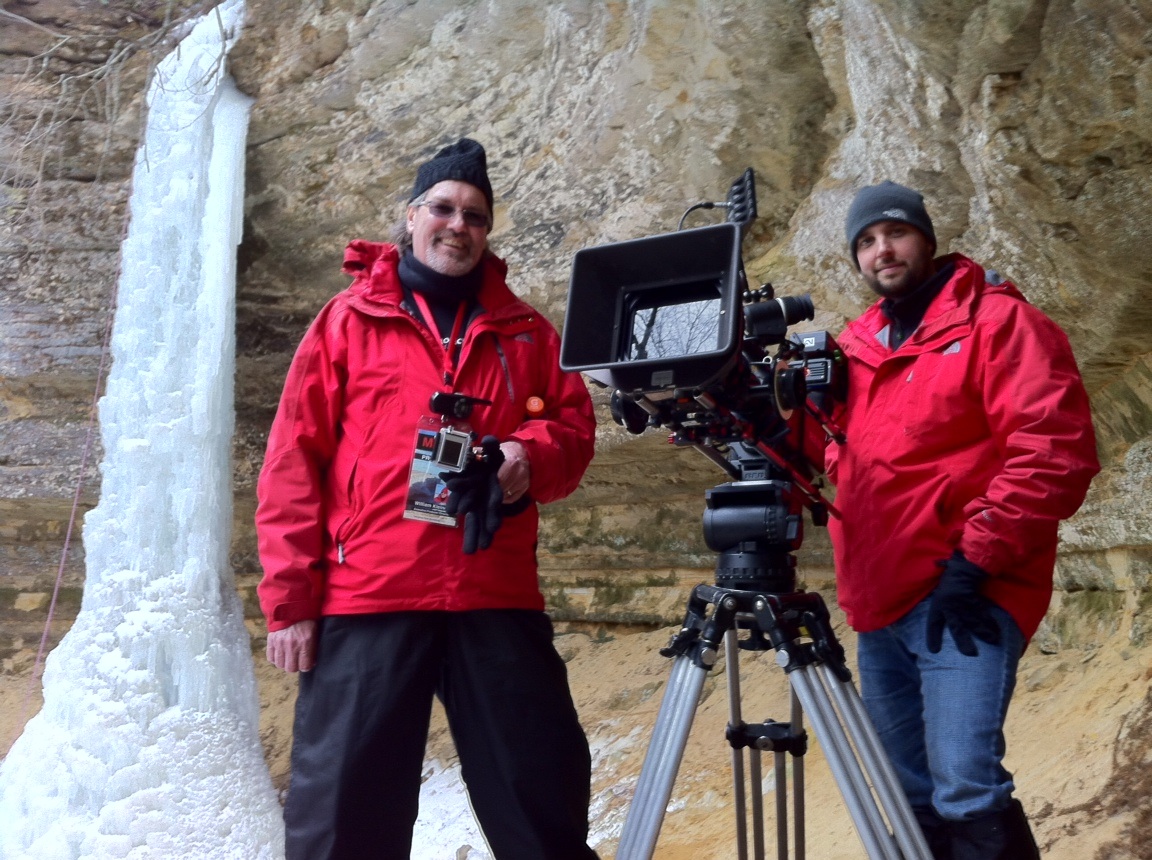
{"points": [[797, 625]]}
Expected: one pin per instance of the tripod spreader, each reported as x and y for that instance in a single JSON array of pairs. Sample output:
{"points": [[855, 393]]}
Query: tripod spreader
{"points": [[768, 736]]}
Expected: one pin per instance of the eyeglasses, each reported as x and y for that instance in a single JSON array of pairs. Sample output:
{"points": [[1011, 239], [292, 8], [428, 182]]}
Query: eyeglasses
{"points": [[445, 212]]}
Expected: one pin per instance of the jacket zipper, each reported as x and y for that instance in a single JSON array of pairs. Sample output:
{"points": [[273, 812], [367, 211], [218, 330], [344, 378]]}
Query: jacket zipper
{"points": [[352, 511], [506, 368]]}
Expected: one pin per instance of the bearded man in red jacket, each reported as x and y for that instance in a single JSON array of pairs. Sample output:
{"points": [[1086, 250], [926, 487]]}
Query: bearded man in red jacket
{"points": [[423, 418], [968, 439]]}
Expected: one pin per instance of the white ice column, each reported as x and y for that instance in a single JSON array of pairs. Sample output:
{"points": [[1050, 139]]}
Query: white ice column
{"points": [[147, 744]]}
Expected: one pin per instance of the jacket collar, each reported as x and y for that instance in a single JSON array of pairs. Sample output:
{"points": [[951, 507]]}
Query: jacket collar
{"points": [[376, 289], [948, 317]]}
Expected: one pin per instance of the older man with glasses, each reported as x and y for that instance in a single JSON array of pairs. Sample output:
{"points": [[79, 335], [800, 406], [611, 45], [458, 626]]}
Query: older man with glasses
{"points": [[423, 418]]}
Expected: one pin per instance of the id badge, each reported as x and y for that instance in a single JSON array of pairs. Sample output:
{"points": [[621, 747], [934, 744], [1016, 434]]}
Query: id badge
{"points": [[427, 494]]}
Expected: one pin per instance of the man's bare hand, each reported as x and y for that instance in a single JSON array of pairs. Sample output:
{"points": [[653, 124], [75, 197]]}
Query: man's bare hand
{"points": [[293, 649], [515, 472]]}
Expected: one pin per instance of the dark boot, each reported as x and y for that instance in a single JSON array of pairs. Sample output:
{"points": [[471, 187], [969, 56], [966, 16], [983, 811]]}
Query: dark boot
{"points": [[1003, 835], [1021, 842], [936, 832]]}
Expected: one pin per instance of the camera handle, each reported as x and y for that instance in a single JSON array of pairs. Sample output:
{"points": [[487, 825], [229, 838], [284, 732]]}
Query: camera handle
{"points": [[798, 627]]}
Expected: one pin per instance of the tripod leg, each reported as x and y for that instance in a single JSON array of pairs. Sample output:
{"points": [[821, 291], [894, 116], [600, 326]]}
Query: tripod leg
{"points": [[797, 723], [735, 718], [781, 763], [662, 761], [905, 827], [846, 770], [755, 781]]}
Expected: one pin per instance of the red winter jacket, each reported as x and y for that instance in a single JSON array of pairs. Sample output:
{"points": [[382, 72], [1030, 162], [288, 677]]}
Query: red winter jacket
{"points": [[332, 492], [975, 433]]}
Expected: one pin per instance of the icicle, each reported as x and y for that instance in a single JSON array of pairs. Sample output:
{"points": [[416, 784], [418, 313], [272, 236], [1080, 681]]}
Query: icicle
{"points": [[147, 743]]}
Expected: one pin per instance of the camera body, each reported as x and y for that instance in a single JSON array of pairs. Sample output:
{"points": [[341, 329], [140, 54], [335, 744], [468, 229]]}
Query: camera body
{"points": [[455, 445], [669, 324], [453, 449]]}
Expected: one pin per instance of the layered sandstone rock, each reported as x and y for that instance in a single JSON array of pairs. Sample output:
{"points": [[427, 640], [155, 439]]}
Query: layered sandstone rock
{"points": [[1027, 123]]}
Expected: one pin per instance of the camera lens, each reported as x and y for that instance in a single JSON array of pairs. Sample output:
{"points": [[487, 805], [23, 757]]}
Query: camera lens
{"points": [[770, 319], [796, 308]]}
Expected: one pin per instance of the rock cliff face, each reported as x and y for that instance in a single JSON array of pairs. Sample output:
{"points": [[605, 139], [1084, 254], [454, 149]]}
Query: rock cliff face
{"points": [[1026, 123], [1027, 126]]}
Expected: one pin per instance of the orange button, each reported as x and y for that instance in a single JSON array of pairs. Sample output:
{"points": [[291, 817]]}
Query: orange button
{"points": [[535, 406]]}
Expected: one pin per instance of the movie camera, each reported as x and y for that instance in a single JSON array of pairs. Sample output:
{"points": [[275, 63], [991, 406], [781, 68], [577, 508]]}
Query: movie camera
{"points": [[669, 323]]}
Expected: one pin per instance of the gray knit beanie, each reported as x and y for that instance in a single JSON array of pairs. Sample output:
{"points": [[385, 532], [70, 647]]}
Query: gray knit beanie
{"points": [[886, 202], [463, 161]]}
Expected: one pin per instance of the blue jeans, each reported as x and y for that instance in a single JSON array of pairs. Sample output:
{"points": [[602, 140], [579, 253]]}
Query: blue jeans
{"points": [[941, 716]]}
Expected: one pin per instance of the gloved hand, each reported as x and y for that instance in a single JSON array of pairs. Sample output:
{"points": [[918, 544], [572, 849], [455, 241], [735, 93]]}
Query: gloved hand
{"points": [[475, 492], [958, 605]]}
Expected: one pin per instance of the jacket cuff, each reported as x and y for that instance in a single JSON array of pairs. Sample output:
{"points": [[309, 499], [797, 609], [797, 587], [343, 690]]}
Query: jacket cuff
{"points": [[987, 561], [286, 614]]}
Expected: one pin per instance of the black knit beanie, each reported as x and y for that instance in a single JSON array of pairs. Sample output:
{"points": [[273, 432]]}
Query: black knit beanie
{"points": [[886, 202], [463, 161]]}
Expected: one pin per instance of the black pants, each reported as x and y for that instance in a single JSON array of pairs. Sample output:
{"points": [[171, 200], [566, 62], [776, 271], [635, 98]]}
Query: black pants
{"points": [[361, 728]]}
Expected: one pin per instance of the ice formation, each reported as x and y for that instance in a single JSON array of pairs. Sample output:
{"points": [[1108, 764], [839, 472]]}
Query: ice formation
{"points": [[147, 744]]}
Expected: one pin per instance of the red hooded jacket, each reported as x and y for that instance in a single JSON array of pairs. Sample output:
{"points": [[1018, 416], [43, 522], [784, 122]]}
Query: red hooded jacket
{"points": [[332, 492], [976, 433]]}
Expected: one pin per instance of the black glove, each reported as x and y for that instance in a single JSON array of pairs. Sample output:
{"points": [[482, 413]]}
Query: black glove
{"points": [[475, 492], [958, 604]]}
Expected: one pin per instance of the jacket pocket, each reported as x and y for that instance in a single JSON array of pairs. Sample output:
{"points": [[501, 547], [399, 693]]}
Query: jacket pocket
{"points": [[351, 510]]}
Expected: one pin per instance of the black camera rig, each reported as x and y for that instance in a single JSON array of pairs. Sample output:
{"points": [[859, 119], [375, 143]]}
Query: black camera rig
{"points": [[669, 323]]}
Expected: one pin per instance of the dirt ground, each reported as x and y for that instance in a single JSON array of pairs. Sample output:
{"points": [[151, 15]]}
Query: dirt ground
{"points": [[1079, 743]]}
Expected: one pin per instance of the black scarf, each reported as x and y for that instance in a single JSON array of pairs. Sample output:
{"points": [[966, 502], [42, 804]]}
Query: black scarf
{"points": [[906, 312], [444, 293]]}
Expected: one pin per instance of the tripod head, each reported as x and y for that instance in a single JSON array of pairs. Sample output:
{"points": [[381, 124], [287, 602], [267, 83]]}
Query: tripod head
{"points": [[755, 527]]}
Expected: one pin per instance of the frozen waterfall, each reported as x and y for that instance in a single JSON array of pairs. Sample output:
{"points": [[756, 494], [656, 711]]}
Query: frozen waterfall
{"points": [[147, 744]]}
